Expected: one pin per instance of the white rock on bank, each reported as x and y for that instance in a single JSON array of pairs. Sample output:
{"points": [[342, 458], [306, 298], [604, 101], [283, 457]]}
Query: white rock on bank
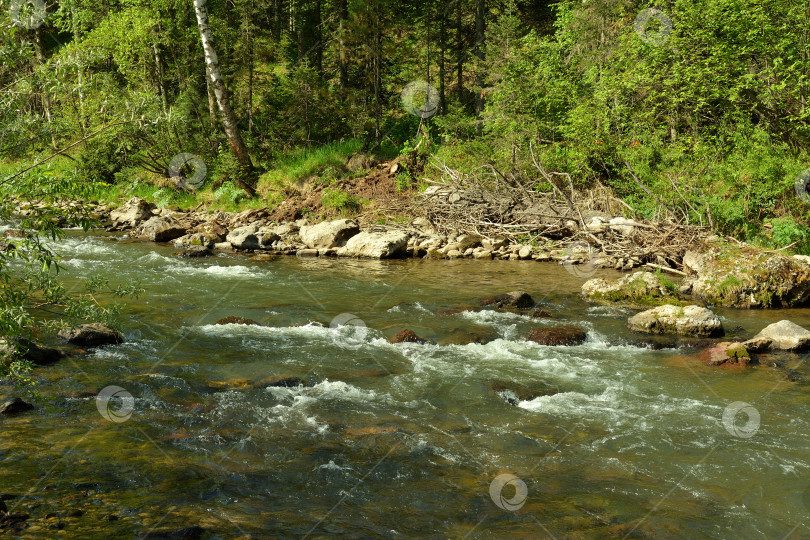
{"points": [[328, 234], [669, 319], [783, 335], [376, 245], [131, 213], [244, 237]]}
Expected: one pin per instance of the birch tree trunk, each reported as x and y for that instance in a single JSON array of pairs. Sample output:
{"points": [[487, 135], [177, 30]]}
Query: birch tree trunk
{"points": [[229, 123]]}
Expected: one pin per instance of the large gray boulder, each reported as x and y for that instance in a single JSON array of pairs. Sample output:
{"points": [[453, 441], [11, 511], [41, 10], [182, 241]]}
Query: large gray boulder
{"points": [[329, 234], [133, 212], [376, 245], [782, 336], [685, 321], [162, 229], [244, 237]]}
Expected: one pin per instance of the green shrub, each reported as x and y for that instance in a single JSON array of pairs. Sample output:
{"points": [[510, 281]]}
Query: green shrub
{"points": [[340, 200], [404, 181]]}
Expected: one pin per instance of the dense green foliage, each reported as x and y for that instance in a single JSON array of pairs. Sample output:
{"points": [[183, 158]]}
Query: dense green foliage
{"points": [[705, 122]]}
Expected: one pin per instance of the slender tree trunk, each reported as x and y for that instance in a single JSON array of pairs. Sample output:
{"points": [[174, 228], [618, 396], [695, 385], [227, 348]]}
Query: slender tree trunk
{"points": [[343, 13], [46, 97], [442, 46], [159, 74], [229, 123], [77, 39], [480, 14], [249, 25], [212, 101], [377, 82], [460, 51]]}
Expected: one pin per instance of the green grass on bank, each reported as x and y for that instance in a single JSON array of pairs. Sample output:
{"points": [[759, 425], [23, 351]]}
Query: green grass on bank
{"points": [[285, 170], [745, 190], [301, 163]]}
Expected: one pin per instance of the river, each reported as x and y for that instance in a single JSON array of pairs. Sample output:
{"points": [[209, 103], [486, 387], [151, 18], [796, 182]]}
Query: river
{"points": [[396, 440]]}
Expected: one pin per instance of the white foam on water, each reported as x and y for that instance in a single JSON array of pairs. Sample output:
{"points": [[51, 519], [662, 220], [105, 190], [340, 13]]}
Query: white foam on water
{"points": [[494, 318], [327, 390], [607, 404], [311, 330], [154, 256], [332, 466], [84, 247], [404, 308], [235, 271]]}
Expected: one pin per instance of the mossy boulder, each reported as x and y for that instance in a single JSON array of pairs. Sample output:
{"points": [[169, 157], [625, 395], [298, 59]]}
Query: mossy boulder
{"points": [[726, 354], [747, 277], [669, 319], [641, 289]]}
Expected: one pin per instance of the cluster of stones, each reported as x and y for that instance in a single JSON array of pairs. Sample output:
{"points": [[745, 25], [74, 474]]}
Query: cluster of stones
{"points": [[198, 234], [675, 316]]}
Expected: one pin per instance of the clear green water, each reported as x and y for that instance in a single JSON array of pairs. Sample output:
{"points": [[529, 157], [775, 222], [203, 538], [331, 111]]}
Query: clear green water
{"points": [[403, 440]]}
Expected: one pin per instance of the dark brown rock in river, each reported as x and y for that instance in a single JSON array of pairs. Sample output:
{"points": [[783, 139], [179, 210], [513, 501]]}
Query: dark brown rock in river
{"points": [[558, 335]]}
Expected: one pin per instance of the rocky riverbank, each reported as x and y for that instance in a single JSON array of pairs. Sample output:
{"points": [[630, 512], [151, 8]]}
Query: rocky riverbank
{"points": [[691, 266]]}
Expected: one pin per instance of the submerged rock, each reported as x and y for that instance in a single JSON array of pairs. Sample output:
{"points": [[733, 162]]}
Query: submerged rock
{"points": [[681, 320], [186, 533], [783, 336], [638, 289], [14, 406], [376, 245], [558, 335], [90, 335], [280, 381], [193, 252], [407, 336], [514, 299], [232, 319], [328, 234], [513, 393]]}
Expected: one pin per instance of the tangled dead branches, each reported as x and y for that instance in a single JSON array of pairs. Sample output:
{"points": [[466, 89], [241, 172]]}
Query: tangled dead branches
{"points": [[489, 203]]}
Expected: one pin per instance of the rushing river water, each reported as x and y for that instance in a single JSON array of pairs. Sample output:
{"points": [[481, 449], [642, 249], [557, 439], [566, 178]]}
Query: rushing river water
{"points": [[404, 440]]}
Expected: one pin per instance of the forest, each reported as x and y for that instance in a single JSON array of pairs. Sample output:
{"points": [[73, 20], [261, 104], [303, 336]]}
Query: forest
{"points": [[691, 109]]}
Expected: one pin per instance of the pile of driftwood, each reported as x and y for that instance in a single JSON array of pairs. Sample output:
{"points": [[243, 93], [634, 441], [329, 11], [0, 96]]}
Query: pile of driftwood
{"points": [[489, 203]]}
